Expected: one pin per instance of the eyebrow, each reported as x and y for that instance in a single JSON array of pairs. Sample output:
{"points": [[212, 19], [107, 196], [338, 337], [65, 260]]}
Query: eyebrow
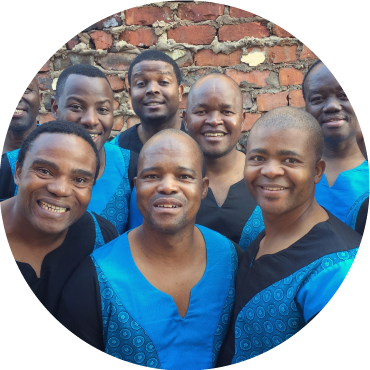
{"points": [[259, 151], [45, 162], [74, 97], [283, 152], [178, 168], [205, 105], [82, 172], [138, 74]]}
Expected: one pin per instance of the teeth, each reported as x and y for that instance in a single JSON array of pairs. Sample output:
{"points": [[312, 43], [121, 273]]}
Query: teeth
{"points": [[167, 206], [273, 189], [153, 103], [93, 136], [51, 208], [18, 111], [214, 134]]}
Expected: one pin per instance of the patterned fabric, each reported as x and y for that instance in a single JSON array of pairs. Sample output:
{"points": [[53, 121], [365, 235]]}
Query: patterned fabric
{"points": [[116, 211], [99, 239], [353, 212], [278, 312], [252, 228], [227, 308], [12, 158], [121, 333]]}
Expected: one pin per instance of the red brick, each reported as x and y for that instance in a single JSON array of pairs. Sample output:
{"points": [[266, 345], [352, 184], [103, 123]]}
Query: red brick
{"points": [[115, 104], [255, 77], [148, 15], [182, 104], [279, 54], [132, 121], [44, 81], [266, 102], [249, 120], [239, 13], [116, 61], [186, 60], [72, 43], [45, 118], [236, 32], [207, 57], [111, 21], [102, 40], [290, 76], [126, 82], [200, 12], [296, 98], [140, 37], [45, 67], [280, 32], [196, 35], [116, 83], [117, 123], [306, 53]]}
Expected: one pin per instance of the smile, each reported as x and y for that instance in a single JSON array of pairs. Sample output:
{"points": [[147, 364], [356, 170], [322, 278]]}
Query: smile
{"points": [[52, 208], [18, 111], [94, 136], [167, 206], [272, 188], [216, 134]]}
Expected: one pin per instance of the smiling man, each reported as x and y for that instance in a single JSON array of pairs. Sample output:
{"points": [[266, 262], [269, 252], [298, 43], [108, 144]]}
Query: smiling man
{"points": [[84, 96], [294, 267], [24, 117], [346, 177], [156, 92], [214, 118], [46, 223], [161, 295]]}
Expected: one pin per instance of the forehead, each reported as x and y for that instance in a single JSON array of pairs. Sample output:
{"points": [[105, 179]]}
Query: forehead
{"points": [[171, 152], [321, 78], [33, 84], [152, 67], [51, 145], [90, 87]]}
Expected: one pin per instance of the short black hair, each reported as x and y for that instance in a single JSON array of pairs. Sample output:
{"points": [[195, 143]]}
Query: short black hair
{"points": [[292, 117], [171, 132], [77, 69], [306, 75], [57, 127], [155, 55]]}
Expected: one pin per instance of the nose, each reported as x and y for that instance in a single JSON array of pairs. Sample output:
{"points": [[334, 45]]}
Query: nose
{"points": [[332, 104], [272, 169], [89, 118], [214, 118], [60, 187], [168, 185], [152, 88]]}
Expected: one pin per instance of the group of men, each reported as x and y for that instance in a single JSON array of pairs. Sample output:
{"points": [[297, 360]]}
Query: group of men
{"points": [[168, 247]]}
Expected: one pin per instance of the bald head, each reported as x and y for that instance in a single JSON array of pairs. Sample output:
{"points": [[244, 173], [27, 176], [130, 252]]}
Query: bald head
{"points": [[214, 81], [170, 139], [292, 118]]}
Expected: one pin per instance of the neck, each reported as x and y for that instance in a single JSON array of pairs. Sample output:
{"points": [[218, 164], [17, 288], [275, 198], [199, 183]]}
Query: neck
{"points": [[14, 139], [146, 130], [342, 150], [232, 162]]}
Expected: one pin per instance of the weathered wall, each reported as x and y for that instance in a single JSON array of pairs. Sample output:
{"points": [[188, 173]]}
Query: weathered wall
{"points": [[265, 60]]}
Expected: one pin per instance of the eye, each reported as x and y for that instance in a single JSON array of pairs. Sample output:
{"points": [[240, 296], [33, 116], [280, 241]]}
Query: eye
{"points": [[185, 177], [164, 82], [227, 112], [152, 176], [103, 110], [342, 95], [257, 158], [76, 107], [140, 84], [290, 160], [28, 90], [200, 111], [80, 181], [43, 171], [316, 99]]}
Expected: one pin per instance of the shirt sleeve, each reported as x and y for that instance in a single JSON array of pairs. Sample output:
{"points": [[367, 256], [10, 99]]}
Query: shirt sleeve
{"points": [[317, 291], [80, 306], [132, 169], [135, 218], [7, 186]]}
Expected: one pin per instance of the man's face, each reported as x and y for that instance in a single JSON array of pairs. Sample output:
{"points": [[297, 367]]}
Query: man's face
{"points": [[329, 104], [27, 109], [155, 94], [55, 181], [169, 185], [88, 101], [214, 116], [280, 170]]}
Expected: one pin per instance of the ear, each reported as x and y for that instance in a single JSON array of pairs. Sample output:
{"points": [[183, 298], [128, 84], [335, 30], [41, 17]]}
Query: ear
{"points": [[17, 174], [54, 107], [205, 186], [244, 116], [319, 170], [129, 92], [181, 91], [185, 119]]}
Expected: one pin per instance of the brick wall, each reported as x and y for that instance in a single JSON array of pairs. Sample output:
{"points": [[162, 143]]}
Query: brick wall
{"points": [[265, 60]]}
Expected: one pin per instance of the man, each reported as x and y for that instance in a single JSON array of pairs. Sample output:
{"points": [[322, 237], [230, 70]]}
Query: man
{"points": [[156, 92], [346, 177], [294, 267], [24, 117], [84, 96], [46, 223], [214, 119], [161, 295]]}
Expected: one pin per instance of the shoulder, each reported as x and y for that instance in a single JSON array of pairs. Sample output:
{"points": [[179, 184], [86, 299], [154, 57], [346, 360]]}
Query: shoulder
{"points": [[107, 228]]}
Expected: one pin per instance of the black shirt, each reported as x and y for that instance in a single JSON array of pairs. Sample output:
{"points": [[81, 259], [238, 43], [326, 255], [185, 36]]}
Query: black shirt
{"points": [[229, 219], [58, 265], [129, 139], [361, 217]]}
